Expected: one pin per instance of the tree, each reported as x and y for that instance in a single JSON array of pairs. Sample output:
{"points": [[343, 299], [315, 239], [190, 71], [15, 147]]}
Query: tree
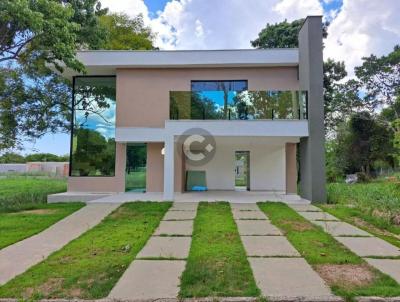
{"points": [[44, 157], [34, 100], [285, 35], [126, 33], [12, 158], [45, 26], [381, 78], [282, 35], [362, 141]]}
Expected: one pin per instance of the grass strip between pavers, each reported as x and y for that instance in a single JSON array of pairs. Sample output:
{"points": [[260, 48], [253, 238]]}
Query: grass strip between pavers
{"points": [[217, 263], [347, 274], [17, 226], [89, 266], [374, 225]]}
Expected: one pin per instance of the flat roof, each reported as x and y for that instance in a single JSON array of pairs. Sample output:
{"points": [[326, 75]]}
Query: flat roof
{"points": [[105, 62]]}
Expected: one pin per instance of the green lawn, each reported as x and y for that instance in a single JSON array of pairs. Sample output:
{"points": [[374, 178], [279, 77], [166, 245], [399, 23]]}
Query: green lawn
{"points": [[347, 274], [25, 192], [16, 226], [217, 263], [89, 266]]}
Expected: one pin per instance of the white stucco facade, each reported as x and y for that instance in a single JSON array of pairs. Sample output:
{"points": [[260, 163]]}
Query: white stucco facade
{"points": [[267, 165]]}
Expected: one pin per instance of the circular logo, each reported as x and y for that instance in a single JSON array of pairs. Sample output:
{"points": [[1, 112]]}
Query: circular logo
{"points": [[197, 145]]}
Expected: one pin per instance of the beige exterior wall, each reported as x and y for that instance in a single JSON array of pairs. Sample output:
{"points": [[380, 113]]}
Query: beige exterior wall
{"points": [[155, 168], [291, 169], [143, 101], [103, 184], [143, 94]]}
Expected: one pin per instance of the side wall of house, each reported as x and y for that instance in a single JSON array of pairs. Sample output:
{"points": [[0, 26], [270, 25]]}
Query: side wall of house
{"points": [[312, 152]]}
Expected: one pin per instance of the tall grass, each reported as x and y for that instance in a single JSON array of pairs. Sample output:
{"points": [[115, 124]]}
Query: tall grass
{"points": [[24, 192], [379, 198]]}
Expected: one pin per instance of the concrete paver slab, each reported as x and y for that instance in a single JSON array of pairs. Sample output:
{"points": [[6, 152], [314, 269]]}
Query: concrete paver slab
{"points": [[318, 216], [184, 206], [390, 267], [237, 214], [245, 206], [339, 228], [257, 227], [180, 215], [369, 246], [263, 246], [149, 279], [166, 247], [17, 258], [304, 208], [288, 277], [183, 227]]}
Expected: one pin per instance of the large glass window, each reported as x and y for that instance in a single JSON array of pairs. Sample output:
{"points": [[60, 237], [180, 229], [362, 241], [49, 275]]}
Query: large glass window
{"points": [[93, 133]]}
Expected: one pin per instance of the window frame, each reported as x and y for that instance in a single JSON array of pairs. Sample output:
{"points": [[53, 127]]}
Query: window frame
{"points": [[218, 81]]}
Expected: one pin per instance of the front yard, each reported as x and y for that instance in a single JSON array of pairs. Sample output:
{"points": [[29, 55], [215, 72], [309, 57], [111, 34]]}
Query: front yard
{"points": [[89, 266]]}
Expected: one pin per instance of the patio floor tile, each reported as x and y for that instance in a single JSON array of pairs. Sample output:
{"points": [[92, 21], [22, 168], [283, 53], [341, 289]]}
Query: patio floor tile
{"points": [[245, 206], [237, 214], [183, 228], [257, 227], [390, 267], [263, 246], [304, 208], [339, 228], [318, 216], [184, 206], [180, 215], [149, 279], [166, 247], [288, 277], [369, 246]]}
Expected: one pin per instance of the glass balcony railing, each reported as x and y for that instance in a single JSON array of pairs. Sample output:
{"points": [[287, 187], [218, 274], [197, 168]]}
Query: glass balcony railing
{"points": [[238, 105]]}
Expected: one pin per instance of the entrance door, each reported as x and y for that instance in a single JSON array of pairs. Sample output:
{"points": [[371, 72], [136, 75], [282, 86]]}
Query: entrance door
{"points": [[135, 172], [242, 170]]}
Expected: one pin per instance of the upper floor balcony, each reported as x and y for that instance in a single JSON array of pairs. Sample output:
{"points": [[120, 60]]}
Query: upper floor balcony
{"points": [[238, 105]]}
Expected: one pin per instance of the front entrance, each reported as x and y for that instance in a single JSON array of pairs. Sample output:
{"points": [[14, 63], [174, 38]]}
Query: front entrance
{"points": [[135, 172], [242, 170]]}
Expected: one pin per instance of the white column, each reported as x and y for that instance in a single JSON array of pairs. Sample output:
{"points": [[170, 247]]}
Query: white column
{"points": [[169, 168]]}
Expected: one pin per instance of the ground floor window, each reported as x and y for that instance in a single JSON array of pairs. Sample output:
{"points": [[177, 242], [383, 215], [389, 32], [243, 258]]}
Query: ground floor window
{"points": [[135, 176]]}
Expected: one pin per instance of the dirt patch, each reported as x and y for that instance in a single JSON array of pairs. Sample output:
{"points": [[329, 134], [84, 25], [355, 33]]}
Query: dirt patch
{"points": [[348, 276], [36, 212], [46, 289], [299, 226]]}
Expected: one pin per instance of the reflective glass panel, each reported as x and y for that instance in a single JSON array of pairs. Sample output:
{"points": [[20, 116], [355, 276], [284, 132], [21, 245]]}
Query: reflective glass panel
{"points": [[93, 140]]}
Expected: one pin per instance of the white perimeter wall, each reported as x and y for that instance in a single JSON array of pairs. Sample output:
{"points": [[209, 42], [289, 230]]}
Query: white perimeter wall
{"points": [[267, 167]]}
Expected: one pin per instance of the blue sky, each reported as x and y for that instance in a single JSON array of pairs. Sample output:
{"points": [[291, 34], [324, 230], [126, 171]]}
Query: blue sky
{"points": [[358, 28]]}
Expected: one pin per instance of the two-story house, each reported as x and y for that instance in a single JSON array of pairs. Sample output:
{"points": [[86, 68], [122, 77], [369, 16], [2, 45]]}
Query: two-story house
{"points": [[263, 110]]}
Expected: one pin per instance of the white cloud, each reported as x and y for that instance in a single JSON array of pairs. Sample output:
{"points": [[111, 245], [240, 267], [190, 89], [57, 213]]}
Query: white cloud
{"points": [[218, 24], [292, 9], [359, 28], [363, 27]]}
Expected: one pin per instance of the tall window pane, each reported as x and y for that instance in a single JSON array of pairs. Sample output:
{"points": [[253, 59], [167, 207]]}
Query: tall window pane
{"points": [[93, 140]]}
